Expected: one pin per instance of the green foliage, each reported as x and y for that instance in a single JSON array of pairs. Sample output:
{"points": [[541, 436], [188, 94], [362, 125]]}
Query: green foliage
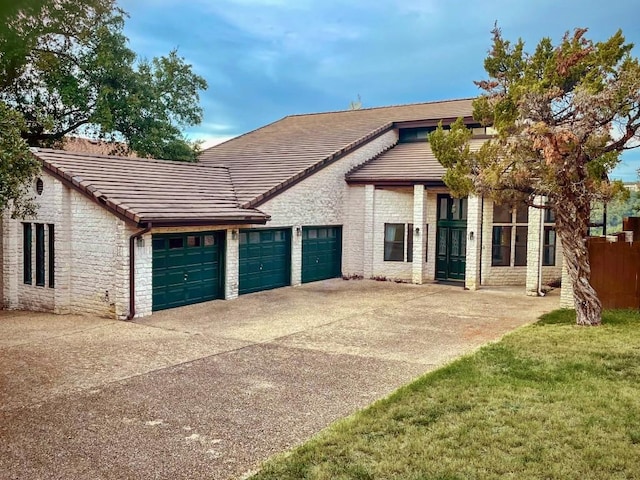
{"points": [[18, 168], [628, 206], [68, 68]]}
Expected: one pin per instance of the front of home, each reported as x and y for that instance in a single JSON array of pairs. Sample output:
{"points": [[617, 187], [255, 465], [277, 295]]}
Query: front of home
{"points": [[354, 193]]}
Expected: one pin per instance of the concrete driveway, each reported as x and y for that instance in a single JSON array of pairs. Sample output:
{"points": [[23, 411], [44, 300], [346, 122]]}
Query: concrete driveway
{"points": [[211, 390]]}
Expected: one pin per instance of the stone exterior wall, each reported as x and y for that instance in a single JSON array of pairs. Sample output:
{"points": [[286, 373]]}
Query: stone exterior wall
{"points": [[391, 205], [90, 261]]}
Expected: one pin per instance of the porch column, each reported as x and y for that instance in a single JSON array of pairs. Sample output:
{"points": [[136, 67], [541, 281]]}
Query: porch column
{"points": [[232, 263], [534, 247], [419, 221], [369, 200], [474, 244]]}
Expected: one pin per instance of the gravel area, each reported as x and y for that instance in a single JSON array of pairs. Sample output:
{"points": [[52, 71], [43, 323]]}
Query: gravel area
{"points": [[211, 390]]}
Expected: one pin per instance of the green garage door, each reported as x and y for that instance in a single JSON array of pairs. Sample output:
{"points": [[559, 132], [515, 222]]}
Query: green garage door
{"points": [[321, 253], [187, 268], [265, 260]]}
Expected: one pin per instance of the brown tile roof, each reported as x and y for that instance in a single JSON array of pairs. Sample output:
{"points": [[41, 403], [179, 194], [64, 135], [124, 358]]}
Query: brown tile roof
{"points": [[405, 163], [265, 161], [159, 191]]}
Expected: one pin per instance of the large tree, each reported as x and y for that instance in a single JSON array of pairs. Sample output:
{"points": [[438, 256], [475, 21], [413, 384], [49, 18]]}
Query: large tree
{"points": [[562, 114], [66, 68]]}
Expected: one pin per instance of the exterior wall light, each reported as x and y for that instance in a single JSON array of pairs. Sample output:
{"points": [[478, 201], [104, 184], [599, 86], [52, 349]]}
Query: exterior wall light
{"points": [[417, 232], [299, 231], [234, 234], [471, 235]]}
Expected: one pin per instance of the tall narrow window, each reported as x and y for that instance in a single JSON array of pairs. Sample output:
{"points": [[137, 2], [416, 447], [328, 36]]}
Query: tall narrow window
{"points": [[410, 242], [52, 263], [26, 253], [501, 246], [549, 247], [40, 254], [394, 242]]}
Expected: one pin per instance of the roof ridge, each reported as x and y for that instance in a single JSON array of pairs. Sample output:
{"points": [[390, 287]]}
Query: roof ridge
{"points": [[432, 102], [160, 161]]}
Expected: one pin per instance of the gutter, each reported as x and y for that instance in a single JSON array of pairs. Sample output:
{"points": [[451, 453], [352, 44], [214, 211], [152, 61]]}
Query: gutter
{"points": [[132, 270]]}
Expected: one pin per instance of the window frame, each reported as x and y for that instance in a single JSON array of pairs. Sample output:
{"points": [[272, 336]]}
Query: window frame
{"points": [[389, 245], [27, 262], [518, 224]]}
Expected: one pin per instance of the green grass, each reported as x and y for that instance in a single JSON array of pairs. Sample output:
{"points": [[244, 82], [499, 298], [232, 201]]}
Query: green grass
{"points": [[549, 401]]}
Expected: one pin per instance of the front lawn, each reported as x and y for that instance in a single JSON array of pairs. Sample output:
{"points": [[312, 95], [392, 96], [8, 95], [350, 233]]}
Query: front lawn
{"points": [[549, 401]]}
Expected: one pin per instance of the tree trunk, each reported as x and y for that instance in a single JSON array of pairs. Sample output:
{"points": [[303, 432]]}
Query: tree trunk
{"points": [[572, 223]]}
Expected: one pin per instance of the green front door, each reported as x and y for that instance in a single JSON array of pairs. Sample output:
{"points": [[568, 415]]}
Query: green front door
{"points": [[321, 253], [265, 259], [451, 238], [187, 268]]}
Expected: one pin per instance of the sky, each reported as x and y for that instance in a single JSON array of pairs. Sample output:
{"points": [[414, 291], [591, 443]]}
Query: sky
{"points": [[266, 59]]}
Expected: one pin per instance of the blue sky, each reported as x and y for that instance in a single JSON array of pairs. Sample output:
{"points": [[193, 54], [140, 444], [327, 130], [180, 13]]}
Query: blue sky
{"points": [[265, 59]]}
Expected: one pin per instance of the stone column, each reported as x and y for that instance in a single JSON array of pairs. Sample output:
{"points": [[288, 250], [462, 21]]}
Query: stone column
{"points": [[534, 247], [474, 244], [419, 221], [369, 206], [296, 255], [232, 259]]}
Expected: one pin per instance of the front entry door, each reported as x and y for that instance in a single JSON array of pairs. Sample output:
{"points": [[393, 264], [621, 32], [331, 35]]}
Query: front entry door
{"points": [[451, 238]]}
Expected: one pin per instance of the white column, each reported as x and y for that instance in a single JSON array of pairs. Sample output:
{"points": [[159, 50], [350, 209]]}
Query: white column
{"points": [[534, 248], [232, 262], [474, 243], [296, 255], [369, 206], [419, 220]]}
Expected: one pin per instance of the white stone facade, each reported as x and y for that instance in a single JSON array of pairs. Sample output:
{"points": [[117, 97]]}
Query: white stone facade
{"points": [[90, 261], [92, 245]]}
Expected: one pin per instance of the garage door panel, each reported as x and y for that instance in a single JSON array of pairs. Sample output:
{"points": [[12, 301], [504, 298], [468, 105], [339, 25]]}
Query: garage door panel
{"points": [[321, 253], [265, 260], [187, 268]]}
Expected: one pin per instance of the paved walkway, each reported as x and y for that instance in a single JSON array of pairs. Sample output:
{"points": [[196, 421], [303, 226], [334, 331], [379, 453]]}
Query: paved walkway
{"points": [[211, 390]]}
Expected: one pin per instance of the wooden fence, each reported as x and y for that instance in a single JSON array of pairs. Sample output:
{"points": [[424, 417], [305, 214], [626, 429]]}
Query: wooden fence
{"points": [[615, 272]]}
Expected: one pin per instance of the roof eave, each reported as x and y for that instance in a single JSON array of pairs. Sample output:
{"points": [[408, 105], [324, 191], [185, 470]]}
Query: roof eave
{"points": [[395, 182]]}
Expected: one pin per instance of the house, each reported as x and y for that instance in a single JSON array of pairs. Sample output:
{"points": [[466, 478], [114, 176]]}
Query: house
{"points": [[309, 197]]}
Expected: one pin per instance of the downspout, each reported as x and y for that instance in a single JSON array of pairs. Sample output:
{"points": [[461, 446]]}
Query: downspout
{"points": [[480, 235], [132, 270]]}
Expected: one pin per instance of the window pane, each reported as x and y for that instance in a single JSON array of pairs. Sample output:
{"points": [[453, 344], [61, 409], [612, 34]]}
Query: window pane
{"points": [[549, 216], [501, 246], [193, 241], [209, 240], [313, 233], [501, 213], [521, 246], [26, 253], [549, 248], [322, 233], [176, 242], [394, 242], [243, 238], [52, 266], [463, 208], [40, 254], [444, 202], [522, 214], [254, 237], [158, 243], [410, 242]]}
